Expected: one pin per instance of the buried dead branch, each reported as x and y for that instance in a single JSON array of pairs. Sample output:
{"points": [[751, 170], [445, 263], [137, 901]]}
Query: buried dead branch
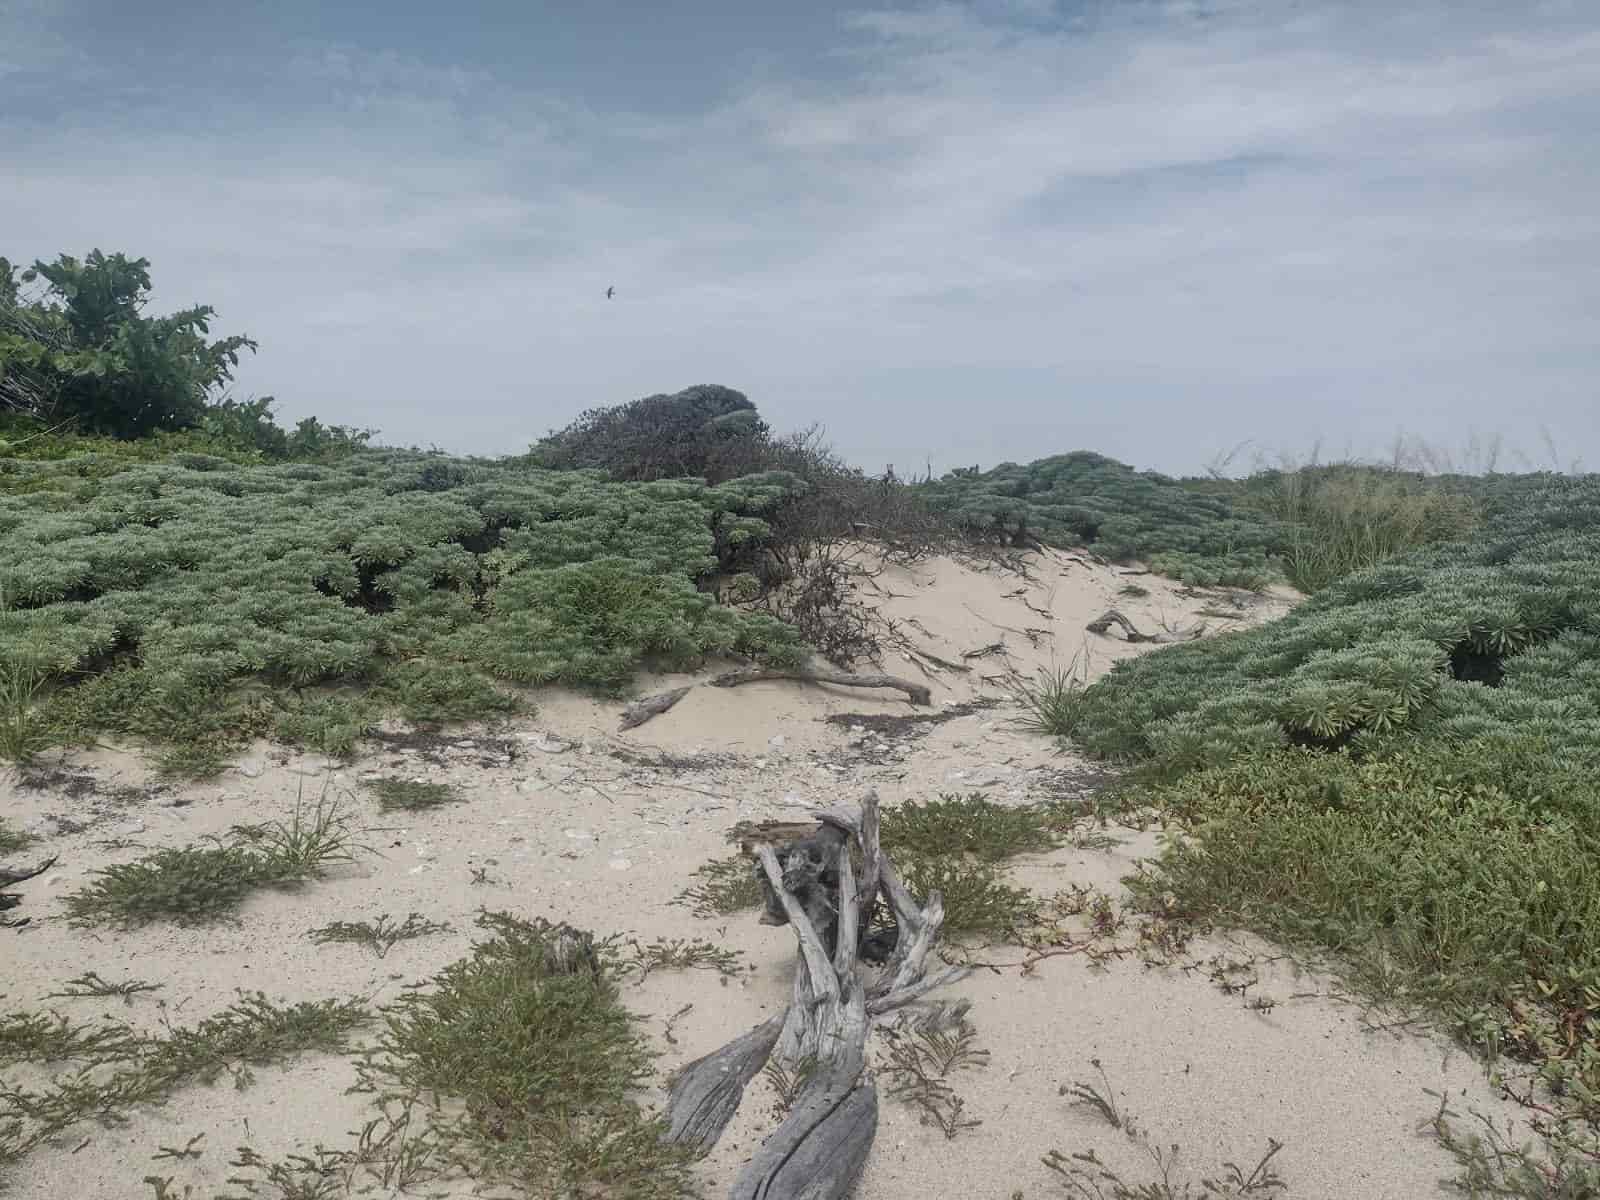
{"points": [[1102, 624], [813, 885], [15, 875], [640, 711]]}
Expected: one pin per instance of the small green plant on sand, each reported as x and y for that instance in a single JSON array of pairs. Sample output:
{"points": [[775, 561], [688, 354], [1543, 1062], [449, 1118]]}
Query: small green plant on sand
{"points": [[118, 1068], [207, 882], [90, 985], [923, 1051], [410, 795], [537, 1062], [378, 936], [729, 885], [683, 954], [977, 900], [1493, 1163], [1085, 1176], [971, 824]]}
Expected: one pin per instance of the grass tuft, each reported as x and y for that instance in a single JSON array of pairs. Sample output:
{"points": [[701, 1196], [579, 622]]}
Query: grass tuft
{"points": [[1052, 704], [23, 733]]}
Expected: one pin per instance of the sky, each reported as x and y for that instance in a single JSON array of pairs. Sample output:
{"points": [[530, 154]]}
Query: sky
{"points": [[951, 234]]}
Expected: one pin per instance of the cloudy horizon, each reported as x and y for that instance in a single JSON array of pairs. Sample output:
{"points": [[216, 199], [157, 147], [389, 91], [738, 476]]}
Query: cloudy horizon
{"points": [[950, 234]]}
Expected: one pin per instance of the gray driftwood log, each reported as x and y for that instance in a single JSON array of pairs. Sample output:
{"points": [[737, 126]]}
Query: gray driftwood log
{"points": [[819, 1150]]}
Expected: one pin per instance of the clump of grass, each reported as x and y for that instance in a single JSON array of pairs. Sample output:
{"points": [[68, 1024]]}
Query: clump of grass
{"points": [[201, 883], [527, 1042], [729, 886], [683, 954], [251, 1032], [1348, 516], [1086, 1177], [922, 1054], [91, 985], [410, 795], [1052, 704], [971, 824], [23, 733], [378, 936], [1133, 591]]}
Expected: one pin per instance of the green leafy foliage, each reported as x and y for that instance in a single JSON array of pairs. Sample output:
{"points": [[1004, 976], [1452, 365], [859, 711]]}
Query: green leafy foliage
{"points": [[1495, 637], [201, 602], [695, 432], [1086, 499], [1464, 876], [86, 350], [965, 825], [527, 1040]]}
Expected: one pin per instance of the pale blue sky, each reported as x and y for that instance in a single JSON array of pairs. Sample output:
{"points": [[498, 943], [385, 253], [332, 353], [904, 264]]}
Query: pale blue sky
{"points": [[950, 233]]}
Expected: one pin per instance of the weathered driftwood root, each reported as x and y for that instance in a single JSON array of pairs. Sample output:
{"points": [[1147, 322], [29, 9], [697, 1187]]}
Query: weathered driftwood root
{"points": [[703, 1096], [641, 711], [917, 693], [819, 1150], [11, 875], [1103, 623]]}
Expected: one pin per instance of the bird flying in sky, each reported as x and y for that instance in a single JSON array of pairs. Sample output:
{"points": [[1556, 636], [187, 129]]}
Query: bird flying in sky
{"points": [[609, 291]]}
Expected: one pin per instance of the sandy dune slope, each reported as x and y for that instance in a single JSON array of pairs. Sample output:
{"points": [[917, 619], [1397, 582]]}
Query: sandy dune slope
{"points": [[576, 821]]}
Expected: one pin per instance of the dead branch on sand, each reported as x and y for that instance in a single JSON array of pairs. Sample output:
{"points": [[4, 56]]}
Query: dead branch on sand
{"points": [[915, 692], [641, 711], [1103, 623], [12, 875], [820, 1148]]}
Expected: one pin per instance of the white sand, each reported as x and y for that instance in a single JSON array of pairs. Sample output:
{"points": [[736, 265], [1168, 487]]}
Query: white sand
{"points": [[577, 833]]}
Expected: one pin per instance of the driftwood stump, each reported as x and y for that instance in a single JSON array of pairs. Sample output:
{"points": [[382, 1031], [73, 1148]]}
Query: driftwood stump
{"points": [[819, 1150]]}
